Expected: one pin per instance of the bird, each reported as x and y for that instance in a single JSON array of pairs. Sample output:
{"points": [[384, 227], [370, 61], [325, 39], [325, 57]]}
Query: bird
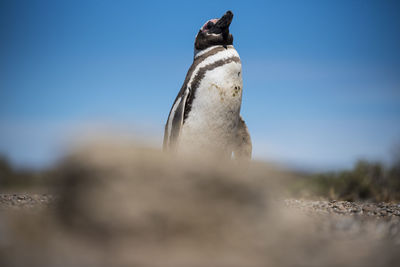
{"points": [[205, 116]]}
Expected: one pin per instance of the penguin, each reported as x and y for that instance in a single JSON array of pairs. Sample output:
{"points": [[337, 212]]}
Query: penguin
{"points": [[205, 116]]}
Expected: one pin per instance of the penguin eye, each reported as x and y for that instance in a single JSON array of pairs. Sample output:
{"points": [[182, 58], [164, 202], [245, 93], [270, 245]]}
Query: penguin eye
{"points": [[209, 25]]}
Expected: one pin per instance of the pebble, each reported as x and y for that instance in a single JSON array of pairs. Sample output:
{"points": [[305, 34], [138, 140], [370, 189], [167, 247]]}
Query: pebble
{"points": [[23, 201], [381, 209]]}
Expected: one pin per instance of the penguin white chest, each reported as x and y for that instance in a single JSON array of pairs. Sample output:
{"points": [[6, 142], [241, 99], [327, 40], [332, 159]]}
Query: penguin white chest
{"points": [[219, 94], [214, 115]]}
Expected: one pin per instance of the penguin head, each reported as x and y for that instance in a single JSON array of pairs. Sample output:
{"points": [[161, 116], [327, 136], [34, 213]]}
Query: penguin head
{"points": [[215, 32]]}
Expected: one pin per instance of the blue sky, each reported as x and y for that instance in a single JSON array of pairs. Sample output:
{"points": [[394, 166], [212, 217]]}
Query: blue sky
{"points": [[321, 78]]}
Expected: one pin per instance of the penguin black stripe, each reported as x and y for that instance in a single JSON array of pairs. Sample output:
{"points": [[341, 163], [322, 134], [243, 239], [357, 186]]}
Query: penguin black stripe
{"points": [[192, 68], [199, 76]]}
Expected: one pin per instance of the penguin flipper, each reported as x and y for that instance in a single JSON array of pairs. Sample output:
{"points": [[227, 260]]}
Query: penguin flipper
{"points": [[175, 121], [243, 147]]}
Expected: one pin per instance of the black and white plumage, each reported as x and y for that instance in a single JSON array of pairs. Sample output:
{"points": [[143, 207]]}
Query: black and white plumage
{"points": [[205, 116]]}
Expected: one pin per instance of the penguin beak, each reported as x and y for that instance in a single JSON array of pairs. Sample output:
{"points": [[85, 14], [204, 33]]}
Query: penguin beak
{"points": [[225, 21]]}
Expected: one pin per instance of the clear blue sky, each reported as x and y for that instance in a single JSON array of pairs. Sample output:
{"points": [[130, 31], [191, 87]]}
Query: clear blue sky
{"points": [[321, 78]]}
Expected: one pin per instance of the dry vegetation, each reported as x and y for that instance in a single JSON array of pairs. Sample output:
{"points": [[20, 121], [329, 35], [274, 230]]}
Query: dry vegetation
{"points": [[371, 181]]}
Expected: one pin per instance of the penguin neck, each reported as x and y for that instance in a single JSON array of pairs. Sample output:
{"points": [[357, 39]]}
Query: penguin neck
{"points": [[198, 53]]}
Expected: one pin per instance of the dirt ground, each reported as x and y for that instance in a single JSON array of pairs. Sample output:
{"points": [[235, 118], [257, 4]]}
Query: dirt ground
{"points": [[117, 205]]}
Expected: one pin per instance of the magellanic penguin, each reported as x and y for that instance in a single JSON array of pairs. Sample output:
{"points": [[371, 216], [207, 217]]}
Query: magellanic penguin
{"points": [[205, 117]]}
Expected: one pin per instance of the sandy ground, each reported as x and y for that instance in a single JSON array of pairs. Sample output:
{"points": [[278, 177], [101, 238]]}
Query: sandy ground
{"points": [[359, 210], [343, 217], [346, 208], [25, 201]]}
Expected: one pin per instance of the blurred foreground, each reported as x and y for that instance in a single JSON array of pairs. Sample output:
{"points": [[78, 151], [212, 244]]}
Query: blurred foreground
{"points": [[116, 204]]}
